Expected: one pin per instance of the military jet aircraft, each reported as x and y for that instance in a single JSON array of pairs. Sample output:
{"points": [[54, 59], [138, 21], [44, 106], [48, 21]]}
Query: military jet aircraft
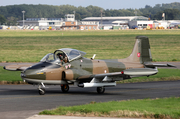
{"points": [[68, 66]]}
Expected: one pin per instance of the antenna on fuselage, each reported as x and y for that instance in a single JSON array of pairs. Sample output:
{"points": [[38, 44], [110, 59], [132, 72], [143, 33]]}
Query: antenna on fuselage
{"points": [[93, 56]]}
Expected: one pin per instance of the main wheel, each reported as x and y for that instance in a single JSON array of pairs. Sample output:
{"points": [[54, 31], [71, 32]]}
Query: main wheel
{"points": [[42, 91], [100, 90], [65, 88]]}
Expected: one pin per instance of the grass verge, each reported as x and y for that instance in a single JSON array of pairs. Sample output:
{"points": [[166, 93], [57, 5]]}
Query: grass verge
{"points": [[146, 108]]}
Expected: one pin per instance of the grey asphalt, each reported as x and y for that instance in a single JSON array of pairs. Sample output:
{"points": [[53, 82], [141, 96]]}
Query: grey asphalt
{"points": [[23, 101]]}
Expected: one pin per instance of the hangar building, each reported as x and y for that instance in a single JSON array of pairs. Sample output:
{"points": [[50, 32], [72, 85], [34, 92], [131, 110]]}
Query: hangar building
{"points": [[108, 21]]}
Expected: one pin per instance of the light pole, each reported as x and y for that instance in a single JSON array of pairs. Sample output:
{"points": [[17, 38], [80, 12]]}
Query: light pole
{"points": [[23, 17], [135, 12], [74, 14], [102, 18]]}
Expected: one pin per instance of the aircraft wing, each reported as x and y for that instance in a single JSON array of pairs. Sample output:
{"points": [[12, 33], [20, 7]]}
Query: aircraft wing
{"points": [[108, 79], [18, 67]]}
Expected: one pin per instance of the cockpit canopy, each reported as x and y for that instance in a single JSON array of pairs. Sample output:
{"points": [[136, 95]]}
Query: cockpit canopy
{"points": [[65, 54], [71, 54]]}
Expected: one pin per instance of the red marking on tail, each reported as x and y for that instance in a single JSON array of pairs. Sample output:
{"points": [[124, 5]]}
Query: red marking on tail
{"points": [[138, 54]]}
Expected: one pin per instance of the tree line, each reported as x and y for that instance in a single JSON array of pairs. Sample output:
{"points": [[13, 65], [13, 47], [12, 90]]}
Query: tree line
{"points": [[12, 13]]}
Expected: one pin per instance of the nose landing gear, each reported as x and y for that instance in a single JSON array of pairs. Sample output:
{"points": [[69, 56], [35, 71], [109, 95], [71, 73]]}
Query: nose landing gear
{"points": [[42, 91]]}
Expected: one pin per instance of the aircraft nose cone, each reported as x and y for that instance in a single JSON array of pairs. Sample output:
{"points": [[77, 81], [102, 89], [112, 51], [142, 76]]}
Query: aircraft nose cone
{"points": [[33, 74], [23, 75]]}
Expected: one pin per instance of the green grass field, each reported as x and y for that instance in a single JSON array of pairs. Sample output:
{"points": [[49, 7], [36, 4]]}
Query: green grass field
{"points": [[9, 75], [146, 108], [31, 46]]}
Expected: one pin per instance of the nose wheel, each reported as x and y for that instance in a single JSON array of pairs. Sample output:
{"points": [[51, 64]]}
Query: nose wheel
{"points": [[42, 91], [65, 88], [100, 90]]}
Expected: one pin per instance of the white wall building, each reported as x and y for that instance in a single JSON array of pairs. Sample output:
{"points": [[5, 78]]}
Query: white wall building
{"points": [[41, 22], [108, 21], [140, 24]]}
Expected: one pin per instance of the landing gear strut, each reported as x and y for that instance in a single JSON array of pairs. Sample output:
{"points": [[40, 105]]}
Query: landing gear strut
{"points": [[65, 88], [42, 91], [100, 90]]}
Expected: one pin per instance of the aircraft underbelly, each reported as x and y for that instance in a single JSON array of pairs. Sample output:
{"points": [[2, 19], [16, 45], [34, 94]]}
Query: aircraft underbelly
{"points": [[50, 82]]}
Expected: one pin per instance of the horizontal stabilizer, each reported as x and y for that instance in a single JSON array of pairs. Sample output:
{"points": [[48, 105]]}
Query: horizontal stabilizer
{"points": [[151, 65]]}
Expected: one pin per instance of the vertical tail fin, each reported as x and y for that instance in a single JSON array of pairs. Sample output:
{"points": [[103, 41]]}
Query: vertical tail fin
{"points": [[144, 49], [141, 51]]}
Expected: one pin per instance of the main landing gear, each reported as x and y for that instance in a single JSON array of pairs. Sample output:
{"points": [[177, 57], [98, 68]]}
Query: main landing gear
{"points": [[100, 90], [65, 88]]}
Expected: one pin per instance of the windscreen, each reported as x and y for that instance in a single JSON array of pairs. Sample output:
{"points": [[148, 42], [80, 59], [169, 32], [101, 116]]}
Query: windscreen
{"points": [[50, 58]]}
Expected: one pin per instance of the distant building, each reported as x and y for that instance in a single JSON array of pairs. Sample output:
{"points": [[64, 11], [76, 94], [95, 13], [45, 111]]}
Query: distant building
{"points": [[109, 21], [141, 24], [76, 25], [41, 22], [88, 25], [71, 24], [68, 23], [69, 17]]}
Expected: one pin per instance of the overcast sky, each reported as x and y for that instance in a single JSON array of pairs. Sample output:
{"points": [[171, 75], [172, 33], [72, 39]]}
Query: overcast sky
{"points": [[106, 4]]}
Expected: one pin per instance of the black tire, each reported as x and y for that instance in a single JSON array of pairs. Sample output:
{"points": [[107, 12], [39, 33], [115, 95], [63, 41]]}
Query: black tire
{"points": [[65, 88], [100, 90], [42, 91]]}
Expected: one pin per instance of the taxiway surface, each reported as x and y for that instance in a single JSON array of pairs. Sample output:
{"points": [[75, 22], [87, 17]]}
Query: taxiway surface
{"points": [[23, 101]]}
